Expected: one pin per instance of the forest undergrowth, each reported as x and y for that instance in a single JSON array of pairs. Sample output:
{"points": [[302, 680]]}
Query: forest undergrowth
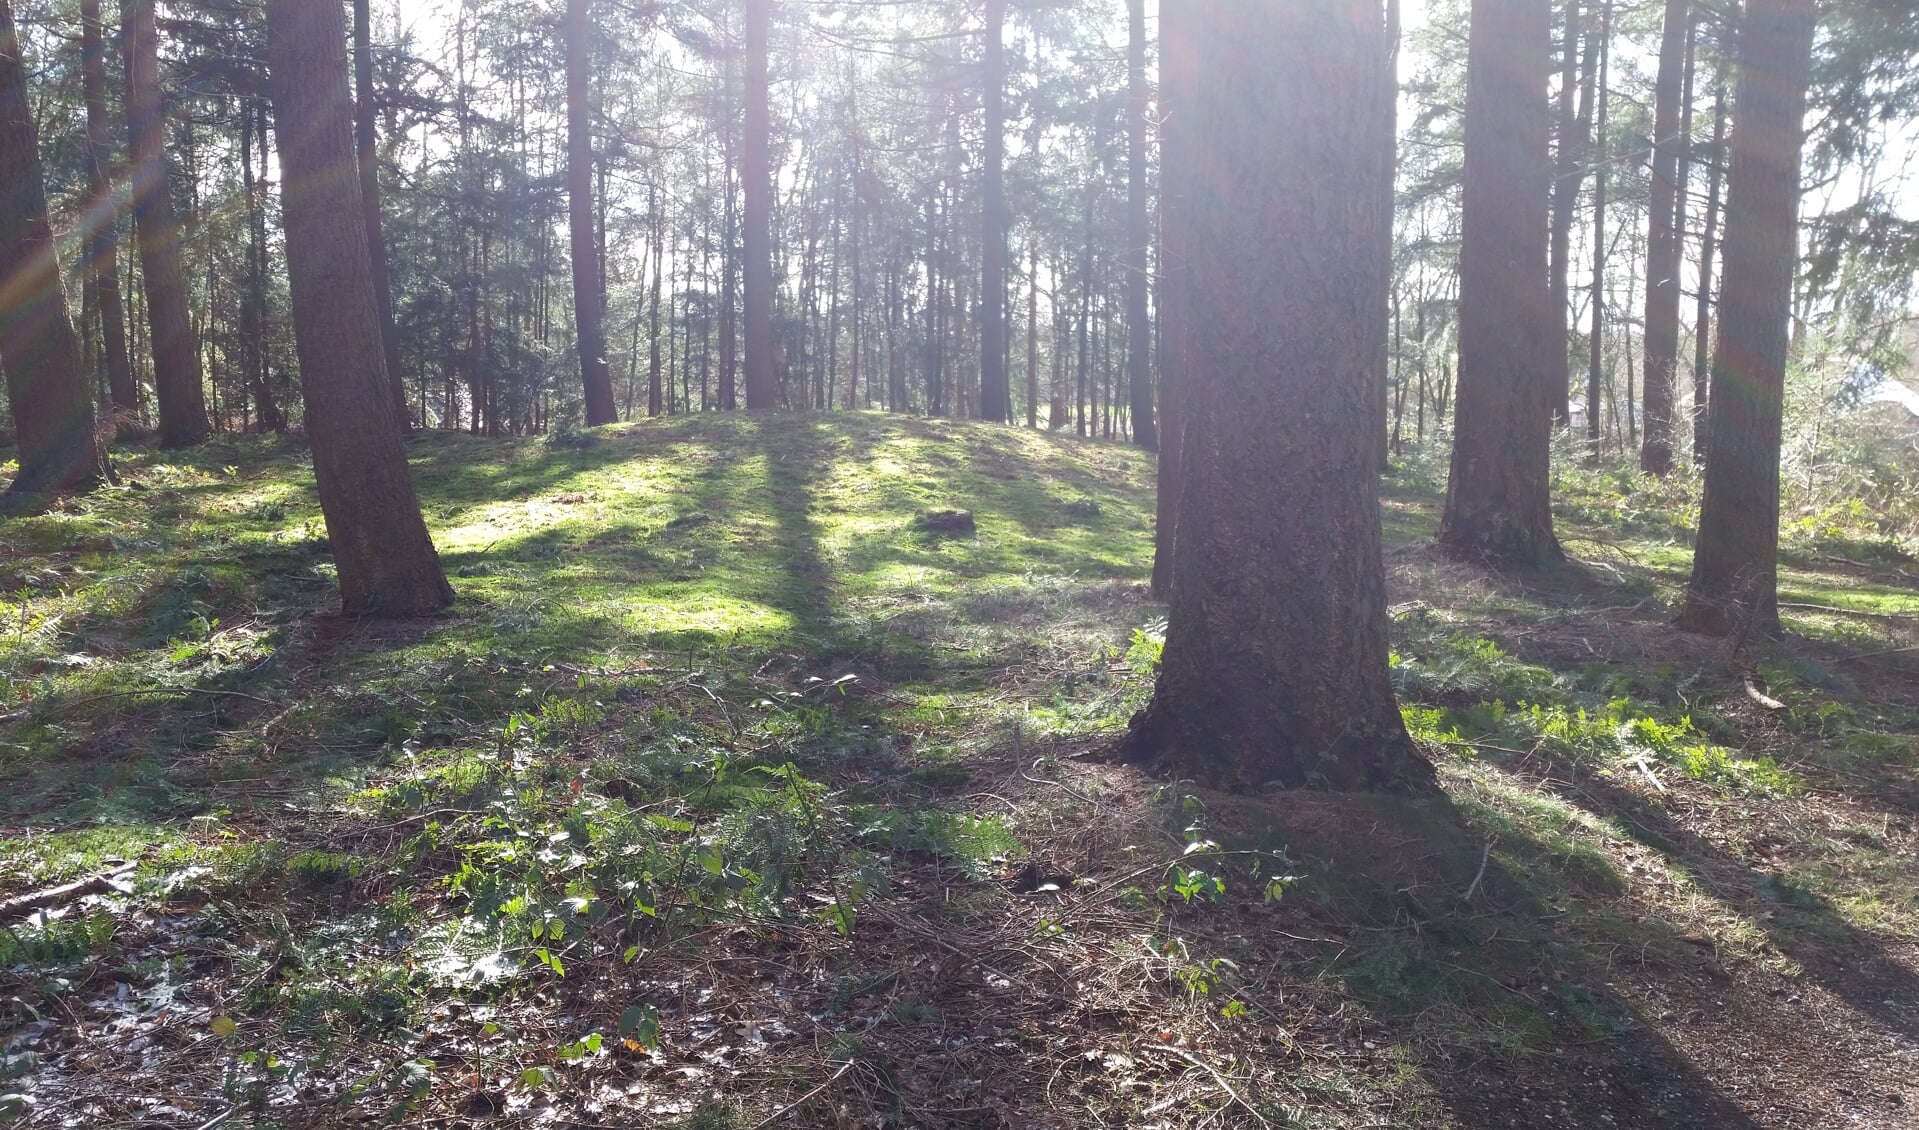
{"points": [[745, 785]]}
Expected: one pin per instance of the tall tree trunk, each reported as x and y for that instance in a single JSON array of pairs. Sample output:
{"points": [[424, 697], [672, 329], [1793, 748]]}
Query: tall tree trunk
{"points": [[653, 403], [729, 234], [1595, 359], [1662, 246], [1139, 236], [1082, 425], [859, 278], [1498, 499], [176, 355], [103, 244], [994, 391], [366, 140], [386, 559], [1708, 247], [1556, 368], [1734, 583], [757, 188], [253, 303], [588, 314], [1274, 669], [1032, 333], [1683, 194], [1178, 80], [831, 388], [1632, 297], [40, 352]]}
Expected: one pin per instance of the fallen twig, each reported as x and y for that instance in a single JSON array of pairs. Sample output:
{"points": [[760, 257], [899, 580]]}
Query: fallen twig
{"points": [[1485, 854], [1232, 1092], [20, 906], [803, 1099], [1877, 654], [1838, 611], [1761, 697]]}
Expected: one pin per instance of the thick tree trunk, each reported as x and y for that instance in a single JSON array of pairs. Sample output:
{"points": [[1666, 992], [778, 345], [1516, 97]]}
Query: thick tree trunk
{"points": [[1274, 670], [367, 143], [1734, 584], [1556, 368], [380, 543], [1177, 81], [588, 315], [994, 391], [757, 190], [1498, 500], [1708, 247], [39, 350], [103, 244], [176, 355], [1662, 247], [1139, 236]]}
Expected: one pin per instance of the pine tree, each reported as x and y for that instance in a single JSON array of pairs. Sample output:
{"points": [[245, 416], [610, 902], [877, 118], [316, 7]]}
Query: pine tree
{"points": [[366, 140], [386, 559], [1498, 497], [994, 391], [177, 377], [588, 316], [39, 351], [1139, 335], [1274, 668], [1734, 582], [1662, 247], [756, 175]]}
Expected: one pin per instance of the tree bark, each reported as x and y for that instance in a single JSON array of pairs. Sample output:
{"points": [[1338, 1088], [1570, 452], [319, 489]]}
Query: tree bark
{"points": [[588, 317], [386, 559], [1662, 247], [1274, 670], [1570, 173], [1139, 236], [1498, 499], [176, 355], [39, 351], [757, 206], [994, 391], [1708, 247], [367, 143], [1177, 79], [1595, 359], [653, 402], [1734, 583], [1084, 426], [729, 249], [1032, 332], [103, 244], [253, 303], [1682, 183]]}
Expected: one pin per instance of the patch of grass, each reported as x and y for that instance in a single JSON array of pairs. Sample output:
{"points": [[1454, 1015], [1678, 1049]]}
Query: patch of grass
{"points": [[721, 745]]}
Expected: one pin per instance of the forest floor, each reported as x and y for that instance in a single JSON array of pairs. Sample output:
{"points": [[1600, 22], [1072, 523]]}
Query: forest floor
{"points": [[733, 794]]}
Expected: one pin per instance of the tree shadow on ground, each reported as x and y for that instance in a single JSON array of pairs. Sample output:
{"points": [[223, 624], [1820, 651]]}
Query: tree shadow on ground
{"points": [[1847, 960], [1457, 943]]}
